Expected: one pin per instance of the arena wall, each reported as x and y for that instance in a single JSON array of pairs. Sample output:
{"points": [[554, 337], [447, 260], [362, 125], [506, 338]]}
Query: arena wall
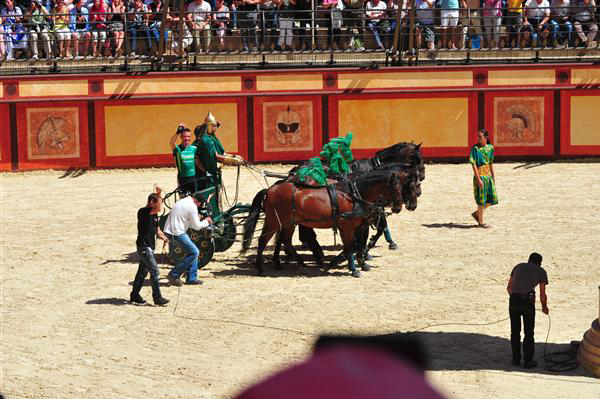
{"points": [[125, 120]]}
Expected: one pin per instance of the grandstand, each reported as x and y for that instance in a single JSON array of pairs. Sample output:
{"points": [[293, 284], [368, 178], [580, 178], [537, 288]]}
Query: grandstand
{"points": [[217, 34]]}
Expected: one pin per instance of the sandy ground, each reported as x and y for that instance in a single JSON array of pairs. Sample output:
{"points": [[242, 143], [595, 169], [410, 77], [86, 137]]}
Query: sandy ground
{"points": [[68, 260]]}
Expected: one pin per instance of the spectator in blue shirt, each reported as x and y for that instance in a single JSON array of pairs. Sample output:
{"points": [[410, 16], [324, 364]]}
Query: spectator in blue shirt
{"points": [[80, 27]]}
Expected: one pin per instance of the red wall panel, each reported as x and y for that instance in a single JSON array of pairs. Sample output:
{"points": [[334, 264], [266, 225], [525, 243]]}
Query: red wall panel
{"points": [[566, 148], [52, 135], [5, 161], [191, 120], [520, 122], [287, 128]]}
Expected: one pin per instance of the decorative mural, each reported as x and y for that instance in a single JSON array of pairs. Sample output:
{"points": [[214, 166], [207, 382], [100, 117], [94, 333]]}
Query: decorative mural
{"points": [[288, 126], [52, 133], [519, 121]]}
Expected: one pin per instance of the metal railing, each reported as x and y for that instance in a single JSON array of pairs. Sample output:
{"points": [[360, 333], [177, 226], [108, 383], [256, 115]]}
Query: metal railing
{"points": [[34, 40]]}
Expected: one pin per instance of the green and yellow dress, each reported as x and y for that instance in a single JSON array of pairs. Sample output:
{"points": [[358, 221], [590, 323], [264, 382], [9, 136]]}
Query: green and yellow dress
{"points": [[482, 157]]}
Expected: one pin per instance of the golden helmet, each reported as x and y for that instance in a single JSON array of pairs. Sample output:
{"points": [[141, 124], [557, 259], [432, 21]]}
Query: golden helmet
{"points": [[210, 119]]}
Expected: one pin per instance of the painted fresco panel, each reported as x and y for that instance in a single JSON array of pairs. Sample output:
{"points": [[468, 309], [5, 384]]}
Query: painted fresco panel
{"points": [[287, 126], [379, 123], [519, 121], [53, 133]]}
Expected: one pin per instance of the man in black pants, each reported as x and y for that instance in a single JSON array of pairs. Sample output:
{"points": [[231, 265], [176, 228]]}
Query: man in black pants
{"points": [[521, 288], [147, 227]]}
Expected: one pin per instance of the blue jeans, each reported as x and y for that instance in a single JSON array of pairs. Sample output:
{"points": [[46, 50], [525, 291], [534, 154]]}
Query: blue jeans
{"points": [[147, 265], [189, 263], [133, 31], [561, 30], [155, 33]]}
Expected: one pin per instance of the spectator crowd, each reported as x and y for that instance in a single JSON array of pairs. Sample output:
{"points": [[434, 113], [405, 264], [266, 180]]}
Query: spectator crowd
{"points": [[51, 29]]}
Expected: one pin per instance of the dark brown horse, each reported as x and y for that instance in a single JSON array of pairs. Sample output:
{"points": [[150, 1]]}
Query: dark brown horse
{"points": [[407, 154], [286, 205]]}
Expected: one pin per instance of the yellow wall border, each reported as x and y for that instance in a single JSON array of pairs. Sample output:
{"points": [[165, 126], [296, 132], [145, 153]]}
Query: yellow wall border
{"points": [[311, 81], [51, 88], [585, 76], [404, 79], [196, 84], [522, 77]]}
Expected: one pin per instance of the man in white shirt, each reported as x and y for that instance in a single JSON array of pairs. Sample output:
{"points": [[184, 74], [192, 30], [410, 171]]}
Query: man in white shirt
{"points": [[537, 15], [376, 17], [182, 217], [200, 15]]}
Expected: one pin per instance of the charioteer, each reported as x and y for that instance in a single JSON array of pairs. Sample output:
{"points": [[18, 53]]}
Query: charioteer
{"points": [[210, 153]]}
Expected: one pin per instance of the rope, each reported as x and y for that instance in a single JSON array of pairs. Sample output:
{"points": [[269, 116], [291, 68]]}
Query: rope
{"points": [[560, 361]]}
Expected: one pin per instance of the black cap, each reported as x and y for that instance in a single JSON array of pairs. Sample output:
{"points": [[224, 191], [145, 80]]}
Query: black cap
{"points": [[182, 128]]}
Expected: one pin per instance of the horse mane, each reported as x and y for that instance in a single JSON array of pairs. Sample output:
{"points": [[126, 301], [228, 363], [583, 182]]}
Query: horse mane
{"points": [[393, 149], [364, 180]]}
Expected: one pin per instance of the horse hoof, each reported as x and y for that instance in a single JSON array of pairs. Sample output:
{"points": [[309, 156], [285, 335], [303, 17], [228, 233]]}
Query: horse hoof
{"points": [[393, 246], [369, 257], [365, 267], [357, 274]]}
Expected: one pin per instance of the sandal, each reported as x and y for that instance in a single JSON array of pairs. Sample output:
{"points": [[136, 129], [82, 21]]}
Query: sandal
{"points": [[474, 214]]}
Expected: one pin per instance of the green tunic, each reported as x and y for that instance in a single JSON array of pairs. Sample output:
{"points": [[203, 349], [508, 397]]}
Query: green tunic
{"points": [[337, 153], [483, 157], [210, 146], [185, 160]]}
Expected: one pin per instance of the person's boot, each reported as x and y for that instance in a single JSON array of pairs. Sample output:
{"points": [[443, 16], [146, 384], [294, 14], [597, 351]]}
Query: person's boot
{"points": [[136, 298], [160, 301], [529, 364]]}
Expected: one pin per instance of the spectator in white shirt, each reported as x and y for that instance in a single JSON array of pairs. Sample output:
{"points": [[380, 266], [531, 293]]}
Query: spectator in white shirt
{"points": [[537, 15], [200, 14], [376, 17], [182, 217]]}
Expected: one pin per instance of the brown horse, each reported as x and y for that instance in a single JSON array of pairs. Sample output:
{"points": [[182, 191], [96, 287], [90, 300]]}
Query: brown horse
{"points": [[404, 155], [286, 205]]}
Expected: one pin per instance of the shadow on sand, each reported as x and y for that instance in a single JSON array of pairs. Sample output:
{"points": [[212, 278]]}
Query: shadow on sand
{"points": [[244, 266], [450, 225], [73, 172], [474, 351]]}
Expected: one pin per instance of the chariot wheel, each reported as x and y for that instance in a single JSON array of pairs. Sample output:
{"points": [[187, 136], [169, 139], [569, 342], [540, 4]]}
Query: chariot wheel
{"points": [[204, 242], [224, 234]]}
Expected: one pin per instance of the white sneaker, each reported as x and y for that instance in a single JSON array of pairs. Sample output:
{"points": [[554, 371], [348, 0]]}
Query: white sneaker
{"points": [[35, 57]]}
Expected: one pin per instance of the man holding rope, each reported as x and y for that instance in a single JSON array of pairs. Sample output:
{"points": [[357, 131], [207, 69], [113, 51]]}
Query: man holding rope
{"points": [[521, 288], [147, 227]]}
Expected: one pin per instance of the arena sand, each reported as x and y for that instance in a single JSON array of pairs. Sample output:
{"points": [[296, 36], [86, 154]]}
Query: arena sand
{"points": [[68, 260]]}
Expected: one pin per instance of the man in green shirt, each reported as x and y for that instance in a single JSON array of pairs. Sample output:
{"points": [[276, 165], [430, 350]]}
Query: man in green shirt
{"points": [[185, 159], [210, 149]]}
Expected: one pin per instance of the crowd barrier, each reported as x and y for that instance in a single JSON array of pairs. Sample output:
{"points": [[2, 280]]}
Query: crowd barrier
{"points": [[155, 36], [126, 120]]}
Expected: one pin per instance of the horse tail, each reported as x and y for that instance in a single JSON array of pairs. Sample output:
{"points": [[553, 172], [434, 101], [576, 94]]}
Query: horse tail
{"points": [[252, 219]]}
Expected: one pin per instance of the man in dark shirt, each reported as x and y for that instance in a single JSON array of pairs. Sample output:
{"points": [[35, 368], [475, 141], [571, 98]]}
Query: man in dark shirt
{"points": [[147, 227], [521, 288]]}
